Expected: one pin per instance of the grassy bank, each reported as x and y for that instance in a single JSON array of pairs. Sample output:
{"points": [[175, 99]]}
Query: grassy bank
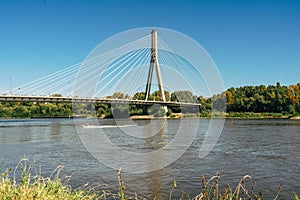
{"points": [[33, 186], [29, 186], [252, 115], [234, 115]]}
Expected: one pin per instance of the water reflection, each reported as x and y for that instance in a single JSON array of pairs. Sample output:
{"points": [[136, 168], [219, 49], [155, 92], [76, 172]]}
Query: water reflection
{"points": [[55, 130], [25, 135], [156, 142]]}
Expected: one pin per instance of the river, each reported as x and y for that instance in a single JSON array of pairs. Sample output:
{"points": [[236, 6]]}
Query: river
{"points": [[268, 150]]}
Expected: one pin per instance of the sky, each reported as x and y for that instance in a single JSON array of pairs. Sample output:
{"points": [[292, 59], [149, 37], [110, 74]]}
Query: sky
{"points": [[252, 42]]}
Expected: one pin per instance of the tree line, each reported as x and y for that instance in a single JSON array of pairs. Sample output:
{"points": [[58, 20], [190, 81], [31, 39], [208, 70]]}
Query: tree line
{"points": [[47, 109], [257, 99]]}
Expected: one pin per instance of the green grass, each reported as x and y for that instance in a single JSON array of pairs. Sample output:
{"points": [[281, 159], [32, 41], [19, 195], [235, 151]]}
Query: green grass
{"points": [[252, 115], [29, 186]]}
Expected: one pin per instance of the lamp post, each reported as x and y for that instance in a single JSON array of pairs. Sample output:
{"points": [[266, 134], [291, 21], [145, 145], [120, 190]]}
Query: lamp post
{"points": [[10, 86]]}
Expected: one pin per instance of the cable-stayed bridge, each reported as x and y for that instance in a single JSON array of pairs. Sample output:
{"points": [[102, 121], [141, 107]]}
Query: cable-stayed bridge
{"points": [[21, 98], [144, 64]]}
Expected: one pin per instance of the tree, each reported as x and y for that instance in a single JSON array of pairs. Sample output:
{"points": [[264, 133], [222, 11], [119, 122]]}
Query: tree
{"points": [[103, 110], [156, 95], [120, 95], [139, 96], [56, 95], [277, 99]]}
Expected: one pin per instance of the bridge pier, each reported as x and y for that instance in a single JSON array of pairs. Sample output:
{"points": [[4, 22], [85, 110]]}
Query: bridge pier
{"points": [[155, 109], [166, 109]]}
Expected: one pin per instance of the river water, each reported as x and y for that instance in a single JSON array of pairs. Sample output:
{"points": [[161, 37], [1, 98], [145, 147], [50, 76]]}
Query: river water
{"points": [[267, 150]]}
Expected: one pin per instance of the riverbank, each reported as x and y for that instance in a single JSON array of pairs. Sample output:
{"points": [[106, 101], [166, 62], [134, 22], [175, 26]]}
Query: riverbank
{"points": [[230, 115], [252, 115], [236, 115], [295, 118]]}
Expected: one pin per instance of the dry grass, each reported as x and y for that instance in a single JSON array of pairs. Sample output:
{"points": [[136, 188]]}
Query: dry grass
{"points": [[29, 187], [211, 191]]}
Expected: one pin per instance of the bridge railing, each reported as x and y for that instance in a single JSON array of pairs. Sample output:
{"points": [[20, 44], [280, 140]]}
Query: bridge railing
{"points": [[71, 99]]}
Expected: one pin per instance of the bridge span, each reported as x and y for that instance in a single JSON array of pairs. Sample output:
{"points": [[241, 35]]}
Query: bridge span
{"points": [[121, 69], [70, 99]]}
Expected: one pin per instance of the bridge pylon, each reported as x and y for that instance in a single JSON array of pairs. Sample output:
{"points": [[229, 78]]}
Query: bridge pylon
{"points": [[154, 62]]}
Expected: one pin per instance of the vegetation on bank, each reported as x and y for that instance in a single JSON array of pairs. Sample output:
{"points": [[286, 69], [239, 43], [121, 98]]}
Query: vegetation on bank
{"points": [[30, 185], [273, 101], [263, 99]]}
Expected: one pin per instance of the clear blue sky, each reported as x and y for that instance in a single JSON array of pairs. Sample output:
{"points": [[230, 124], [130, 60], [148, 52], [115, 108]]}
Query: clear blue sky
{"points": [[252, 42]]}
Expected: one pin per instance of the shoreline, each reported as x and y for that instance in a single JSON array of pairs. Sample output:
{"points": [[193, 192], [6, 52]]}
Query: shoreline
{"points": [[295, 118], [176, 116]]}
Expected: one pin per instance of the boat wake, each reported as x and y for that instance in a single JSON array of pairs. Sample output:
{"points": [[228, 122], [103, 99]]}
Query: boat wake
{"points": [[108, 126]]}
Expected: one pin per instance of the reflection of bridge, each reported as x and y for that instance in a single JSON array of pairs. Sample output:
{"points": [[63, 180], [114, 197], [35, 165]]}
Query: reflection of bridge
{"points": [[19, 98], [126, 69]]}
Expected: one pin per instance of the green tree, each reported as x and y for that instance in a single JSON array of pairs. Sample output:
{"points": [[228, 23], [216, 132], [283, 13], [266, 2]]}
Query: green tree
{"points": [[139, 96], [120, 95]]}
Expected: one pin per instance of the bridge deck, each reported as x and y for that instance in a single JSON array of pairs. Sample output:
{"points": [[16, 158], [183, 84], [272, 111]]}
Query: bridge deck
{"points": [[20, 98]]}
